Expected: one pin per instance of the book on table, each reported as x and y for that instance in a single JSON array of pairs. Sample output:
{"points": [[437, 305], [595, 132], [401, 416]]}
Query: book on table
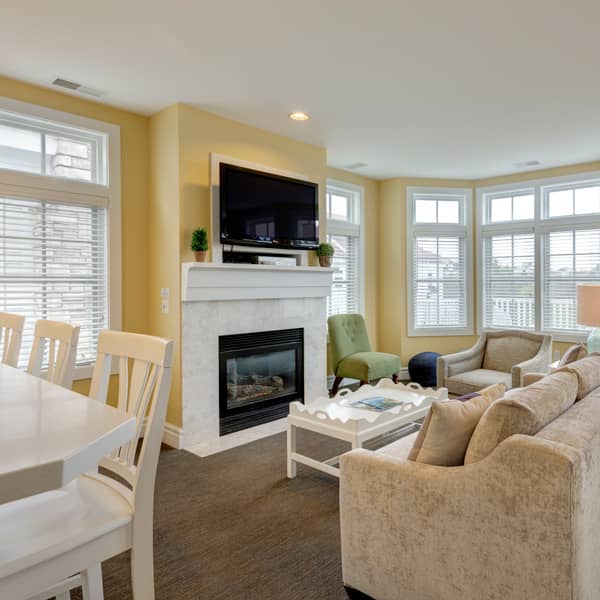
{"points": [[378, 403]]}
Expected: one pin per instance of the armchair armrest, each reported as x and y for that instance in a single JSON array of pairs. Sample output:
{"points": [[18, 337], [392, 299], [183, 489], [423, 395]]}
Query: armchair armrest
{"points": [[421, 531], [538, 364], [460, 362]]}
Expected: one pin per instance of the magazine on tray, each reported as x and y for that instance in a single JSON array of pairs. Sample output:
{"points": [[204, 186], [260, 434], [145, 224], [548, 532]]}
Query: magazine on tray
{"points": [[378, 403]]}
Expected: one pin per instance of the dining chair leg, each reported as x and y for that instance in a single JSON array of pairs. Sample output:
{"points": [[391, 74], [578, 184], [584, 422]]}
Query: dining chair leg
{"points": [[91, 583], [142, 563]]}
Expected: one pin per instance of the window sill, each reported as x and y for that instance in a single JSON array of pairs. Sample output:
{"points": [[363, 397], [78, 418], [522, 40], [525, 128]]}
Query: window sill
{"points": [[440, 332]]}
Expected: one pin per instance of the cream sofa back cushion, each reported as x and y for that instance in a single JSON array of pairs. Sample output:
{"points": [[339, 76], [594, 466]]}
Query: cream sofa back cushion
{"points": [[522, 410], [587, 371], [503, 352]]}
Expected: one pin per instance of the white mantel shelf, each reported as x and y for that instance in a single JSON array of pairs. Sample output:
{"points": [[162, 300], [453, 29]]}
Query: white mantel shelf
{"points": [[203, 282]]}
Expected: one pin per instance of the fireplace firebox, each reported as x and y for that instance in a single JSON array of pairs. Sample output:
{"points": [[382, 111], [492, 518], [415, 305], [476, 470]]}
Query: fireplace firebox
{"points": [[259, 375]]}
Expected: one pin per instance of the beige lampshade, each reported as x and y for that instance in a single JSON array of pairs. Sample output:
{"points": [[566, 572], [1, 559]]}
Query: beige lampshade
{"points": [[588, 304]]}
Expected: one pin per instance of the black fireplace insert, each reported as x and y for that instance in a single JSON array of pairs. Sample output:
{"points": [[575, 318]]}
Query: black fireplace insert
{"points": [[259, 375]]}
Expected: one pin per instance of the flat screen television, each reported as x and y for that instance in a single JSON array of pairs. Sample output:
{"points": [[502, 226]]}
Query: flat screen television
{"points": [[262, 209]]}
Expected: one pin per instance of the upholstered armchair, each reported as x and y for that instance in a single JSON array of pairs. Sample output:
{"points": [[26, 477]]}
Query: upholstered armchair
{"points": [[351, 352], [497, 357]]}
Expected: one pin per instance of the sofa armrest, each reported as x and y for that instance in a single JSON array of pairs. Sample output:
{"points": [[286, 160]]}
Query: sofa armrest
{"points": [[477, 531], [540, 363], [460, 362]]}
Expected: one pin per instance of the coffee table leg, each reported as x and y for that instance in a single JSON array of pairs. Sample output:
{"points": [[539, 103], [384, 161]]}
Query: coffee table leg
{"points": [[291, 448]]}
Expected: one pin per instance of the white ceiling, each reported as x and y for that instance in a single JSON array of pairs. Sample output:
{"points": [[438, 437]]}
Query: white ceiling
{"points": [[440, 88]]}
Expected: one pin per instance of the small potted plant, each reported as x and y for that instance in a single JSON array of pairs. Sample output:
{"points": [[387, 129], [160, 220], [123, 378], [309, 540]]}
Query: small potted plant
{"points": [[199, 244], [325, 252]]}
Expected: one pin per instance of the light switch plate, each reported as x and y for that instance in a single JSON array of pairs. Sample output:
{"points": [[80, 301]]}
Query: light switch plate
{"points": [[164, 307], [164, 292]]}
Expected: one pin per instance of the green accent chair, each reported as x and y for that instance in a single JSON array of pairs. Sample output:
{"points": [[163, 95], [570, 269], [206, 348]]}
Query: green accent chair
{"points": [[351, 352]]}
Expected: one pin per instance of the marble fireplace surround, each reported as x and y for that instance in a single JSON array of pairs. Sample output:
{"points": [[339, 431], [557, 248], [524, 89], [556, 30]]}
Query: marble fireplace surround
{"points": [[222, 299]]}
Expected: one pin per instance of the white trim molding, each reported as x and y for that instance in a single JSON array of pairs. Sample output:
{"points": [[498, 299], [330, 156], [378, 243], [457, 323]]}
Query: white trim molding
{"points": [[463, 230], [539, 226], [105, 194], [203, 282]]}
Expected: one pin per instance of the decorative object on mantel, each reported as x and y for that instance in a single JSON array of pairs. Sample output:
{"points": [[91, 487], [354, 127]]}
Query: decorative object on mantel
{"points": [[588, 312], [199, 244], [325, 252]]}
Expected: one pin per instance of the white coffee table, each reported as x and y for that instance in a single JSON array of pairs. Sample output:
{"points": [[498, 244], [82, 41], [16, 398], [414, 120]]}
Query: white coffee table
{"points": [[334, 417]]}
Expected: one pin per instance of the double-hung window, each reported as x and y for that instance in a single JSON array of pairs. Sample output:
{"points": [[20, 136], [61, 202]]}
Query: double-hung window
{"points": [[537, 242], [439, 240], [344, 209], [59, 223]]}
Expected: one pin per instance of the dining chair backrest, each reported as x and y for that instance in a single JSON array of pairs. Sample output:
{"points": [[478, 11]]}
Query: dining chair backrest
{"points": [[61, 340], [11, 335], [145, 363]]}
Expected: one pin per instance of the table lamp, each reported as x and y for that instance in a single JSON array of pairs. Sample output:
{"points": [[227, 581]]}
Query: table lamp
{"points": [[588, 312]]}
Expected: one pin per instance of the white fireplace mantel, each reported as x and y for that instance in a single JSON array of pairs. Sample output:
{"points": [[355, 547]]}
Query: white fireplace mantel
{"points": [[202, 282]]}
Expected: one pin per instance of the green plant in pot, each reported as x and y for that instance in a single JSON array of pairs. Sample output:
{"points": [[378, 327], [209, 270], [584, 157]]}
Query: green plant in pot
{"points": [[199, 244], [325, 252]]}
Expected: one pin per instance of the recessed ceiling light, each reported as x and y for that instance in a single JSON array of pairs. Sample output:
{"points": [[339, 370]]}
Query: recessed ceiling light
{"points": [[298, 115]]}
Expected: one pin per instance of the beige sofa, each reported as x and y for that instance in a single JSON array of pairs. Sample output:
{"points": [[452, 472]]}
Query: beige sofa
{"points": [[523, 523], [497, 357]]}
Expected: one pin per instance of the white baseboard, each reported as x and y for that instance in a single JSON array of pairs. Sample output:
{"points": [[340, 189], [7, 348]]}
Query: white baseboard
{"points": [[172, 435]]}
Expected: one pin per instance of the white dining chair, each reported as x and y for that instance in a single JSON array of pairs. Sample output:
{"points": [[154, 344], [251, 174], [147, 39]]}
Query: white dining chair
{"points": [[61, 340], [51, 536], [11, 335]]}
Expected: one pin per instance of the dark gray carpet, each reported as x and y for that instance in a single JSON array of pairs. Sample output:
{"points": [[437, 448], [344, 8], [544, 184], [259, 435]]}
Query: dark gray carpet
{"points": [[233, 527]]}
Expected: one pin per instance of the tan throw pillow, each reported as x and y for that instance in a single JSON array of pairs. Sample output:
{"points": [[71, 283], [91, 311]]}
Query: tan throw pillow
{"points": [[448, 426], [574, 353], [522, 410]]}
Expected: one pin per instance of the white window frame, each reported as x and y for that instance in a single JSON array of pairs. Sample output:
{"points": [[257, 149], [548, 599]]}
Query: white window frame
{"points": [[65, 191], [336, 226], [540, 225], [464, 229]]}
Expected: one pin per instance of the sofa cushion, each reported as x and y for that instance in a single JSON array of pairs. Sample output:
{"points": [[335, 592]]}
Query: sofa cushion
{"points": [[473, 381], [522, 410], [448, 426], [587, 371], [502, 353], [367, 366], [576, 352]]}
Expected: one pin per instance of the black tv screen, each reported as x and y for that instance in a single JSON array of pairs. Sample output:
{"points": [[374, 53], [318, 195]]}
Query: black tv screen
{"points": [[262, 209]]}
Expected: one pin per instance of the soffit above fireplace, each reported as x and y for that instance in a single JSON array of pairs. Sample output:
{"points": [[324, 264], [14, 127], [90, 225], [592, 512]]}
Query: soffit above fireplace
{"points": [[203, 282]]}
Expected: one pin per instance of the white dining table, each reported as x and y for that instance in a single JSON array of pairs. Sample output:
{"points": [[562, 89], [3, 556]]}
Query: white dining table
{"points": [[49, 435]]}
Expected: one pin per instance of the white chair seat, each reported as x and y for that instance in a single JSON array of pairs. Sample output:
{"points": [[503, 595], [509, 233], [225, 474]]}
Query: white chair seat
{"points": [[40, 528]]}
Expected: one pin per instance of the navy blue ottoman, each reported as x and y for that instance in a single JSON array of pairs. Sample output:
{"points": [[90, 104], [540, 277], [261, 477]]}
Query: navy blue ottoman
{"points": [[422, 368]]}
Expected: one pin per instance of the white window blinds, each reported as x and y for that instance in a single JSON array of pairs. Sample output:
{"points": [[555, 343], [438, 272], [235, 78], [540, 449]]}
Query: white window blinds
{"points": [[439, 290], [53, 265], [570, 257], [345, 291], [439, 238], [509, 281], [344, 234]]}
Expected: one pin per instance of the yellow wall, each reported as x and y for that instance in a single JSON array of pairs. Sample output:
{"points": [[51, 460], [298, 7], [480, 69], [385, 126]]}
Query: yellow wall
{"points": [[369, 231], [134, 191], [163, 231], [392, 289]]}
